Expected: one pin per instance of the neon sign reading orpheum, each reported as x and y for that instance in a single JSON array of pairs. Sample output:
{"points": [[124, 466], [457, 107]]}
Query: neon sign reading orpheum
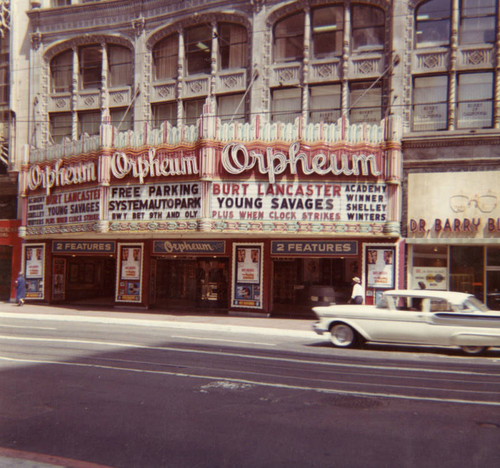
{"points": [[236, 159]]}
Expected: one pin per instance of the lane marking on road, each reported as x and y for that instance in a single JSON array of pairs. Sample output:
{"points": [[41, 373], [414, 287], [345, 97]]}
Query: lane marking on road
{"points": [[246, 356], [256, 382], [28, 328], [185, 337]]}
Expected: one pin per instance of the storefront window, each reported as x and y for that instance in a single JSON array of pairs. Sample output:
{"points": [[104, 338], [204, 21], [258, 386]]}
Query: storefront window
{"points": [[430, 256], [466, 270], [493, 278]]}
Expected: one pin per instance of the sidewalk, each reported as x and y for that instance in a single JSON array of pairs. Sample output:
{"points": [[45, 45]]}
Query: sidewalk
{"points": [[162, 318]]}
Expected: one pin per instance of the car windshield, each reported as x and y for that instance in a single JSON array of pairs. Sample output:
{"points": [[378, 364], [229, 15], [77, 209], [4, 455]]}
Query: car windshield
{"points": [[472, 304]]}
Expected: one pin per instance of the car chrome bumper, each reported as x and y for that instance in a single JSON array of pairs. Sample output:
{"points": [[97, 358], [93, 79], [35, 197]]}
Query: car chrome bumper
{"points": [[318, 328]]}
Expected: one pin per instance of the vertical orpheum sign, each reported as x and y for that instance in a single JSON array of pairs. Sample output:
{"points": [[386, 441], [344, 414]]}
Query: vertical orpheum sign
{"points": [[129, 274], [34, 263], [247, 276]]}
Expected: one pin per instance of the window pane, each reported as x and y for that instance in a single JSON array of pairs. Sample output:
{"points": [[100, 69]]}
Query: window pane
{"points": [[89, 123], [466, 270], [227, 108], [478, 7], [286, 105], [165, 58], [199, 49], [475, 100], [193, 110], [60, 127], [232, 46], [164, 112], [90, 59], [493, 256], [433, 23], [367, 27], [365, 103], [61, 72], [477, 22], [325, 103], [327, 31], [430, 109], [288, 43], [122, 119], [120, 66]]}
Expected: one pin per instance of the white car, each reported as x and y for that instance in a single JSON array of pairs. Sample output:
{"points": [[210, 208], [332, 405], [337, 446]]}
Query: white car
{"points": [[423, 317]]}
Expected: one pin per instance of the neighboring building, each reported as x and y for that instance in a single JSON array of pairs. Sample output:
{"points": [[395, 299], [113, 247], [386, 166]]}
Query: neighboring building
{"points": [[244, 155], [10, 243], [452, 149]]}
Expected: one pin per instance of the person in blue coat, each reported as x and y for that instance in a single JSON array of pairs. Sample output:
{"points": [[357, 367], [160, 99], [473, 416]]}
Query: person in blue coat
{"points": [[20, 289]]}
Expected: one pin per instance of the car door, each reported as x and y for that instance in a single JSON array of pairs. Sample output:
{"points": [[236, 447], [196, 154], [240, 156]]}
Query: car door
{"points": [[400, 323]]}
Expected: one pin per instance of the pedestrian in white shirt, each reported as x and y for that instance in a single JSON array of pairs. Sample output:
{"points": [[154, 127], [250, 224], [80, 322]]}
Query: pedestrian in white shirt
{"points": [[357, 292]]}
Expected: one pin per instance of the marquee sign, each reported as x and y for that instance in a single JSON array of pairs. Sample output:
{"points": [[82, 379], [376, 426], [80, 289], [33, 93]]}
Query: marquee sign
{"points": [[237, 159], [155, 202], [300, 201], [76, 207]]}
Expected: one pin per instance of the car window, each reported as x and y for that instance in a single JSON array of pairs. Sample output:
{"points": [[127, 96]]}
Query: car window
{"points": [[473, 305], [382, 303], [439, 305]]}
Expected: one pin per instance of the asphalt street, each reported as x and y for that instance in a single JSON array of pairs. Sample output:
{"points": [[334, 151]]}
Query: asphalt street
{"points": [[128, 388]]}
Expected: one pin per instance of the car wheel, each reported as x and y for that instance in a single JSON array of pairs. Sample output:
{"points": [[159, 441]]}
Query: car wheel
{"points": [[342, 335], [474, 349]]}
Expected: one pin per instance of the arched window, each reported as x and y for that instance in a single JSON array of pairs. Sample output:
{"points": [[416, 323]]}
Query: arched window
{"points": [[61, 72], [432, 24], [165, 58], [368, 27], [90, 60], [232, 46], [327, 31], [199, 49], [288, 42], [120, 66]]}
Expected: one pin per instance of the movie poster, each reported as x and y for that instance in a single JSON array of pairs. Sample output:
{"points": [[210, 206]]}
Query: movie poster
{"points": [[34, 260], [247, 284], [380, 267], [129, 285]]}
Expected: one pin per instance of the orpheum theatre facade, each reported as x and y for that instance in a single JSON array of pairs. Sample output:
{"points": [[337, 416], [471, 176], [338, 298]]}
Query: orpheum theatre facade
{"points": [[260, 218]]}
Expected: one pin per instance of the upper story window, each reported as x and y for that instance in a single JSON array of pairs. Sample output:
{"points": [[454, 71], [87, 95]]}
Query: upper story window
{"points": [[91, 68], [90, 60], [166, 57], [368, 27], [4, 70], [327, 31], [198, 44], [61, 72], [430, 103], [477, 21], [120, 66], [433, 23], [475, 100], [232, 46], [288, 45]]}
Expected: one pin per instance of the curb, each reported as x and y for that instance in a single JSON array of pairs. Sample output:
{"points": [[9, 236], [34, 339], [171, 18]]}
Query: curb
{"points": [[164, 324]]}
